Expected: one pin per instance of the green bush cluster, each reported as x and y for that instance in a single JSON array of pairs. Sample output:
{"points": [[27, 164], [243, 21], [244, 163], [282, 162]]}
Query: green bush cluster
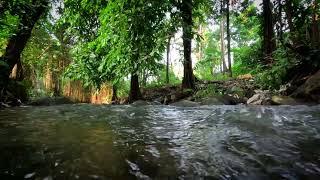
{"points": [[210, 91]]}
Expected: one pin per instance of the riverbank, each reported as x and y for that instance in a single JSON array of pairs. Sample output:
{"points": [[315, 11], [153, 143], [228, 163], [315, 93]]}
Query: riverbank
{"points": [[240, 90]]}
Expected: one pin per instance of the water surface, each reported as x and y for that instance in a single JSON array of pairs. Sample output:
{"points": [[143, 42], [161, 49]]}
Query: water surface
{"points": [[160, 142]]}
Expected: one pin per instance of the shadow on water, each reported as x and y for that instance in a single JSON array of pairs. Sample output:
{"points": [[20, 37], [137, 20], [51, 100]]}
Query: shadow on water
{"points": [[160, 142]]}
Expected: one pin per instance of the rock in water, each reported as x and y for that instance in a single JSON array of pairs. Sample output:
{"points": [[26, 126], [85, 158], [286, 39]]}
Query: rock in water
{"points": [[310, 90], [185, 103], [283, 100], [211, 101], [30, 175], [260, 98], [4, 105]]}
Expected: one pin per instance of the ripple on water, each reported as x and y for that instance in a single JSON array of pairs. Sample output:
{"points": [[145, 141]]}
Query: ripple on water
{"points": [[157, 142]]}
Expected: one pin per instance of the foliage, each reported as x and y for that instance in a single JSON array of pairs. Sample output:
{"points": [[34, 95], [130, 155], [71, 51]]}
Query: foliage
{"points": [[81, 17], [272, 78], [205, 68], [118, 44], [247, 58], [84, 66], [247, 25], [209, 91], [123, 88], [127, 45], [8, 25], [39, 49], [109, 40], [160, 79]]}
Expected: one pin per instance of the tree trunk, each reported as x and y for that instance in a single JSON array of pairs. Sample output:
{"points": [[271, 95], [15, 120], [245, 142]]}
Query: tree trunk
{"points": [[144, 78], [114, 93], [17, 72], [168, 60], [280, 25], [224, 66], [18, 42], [221, 70], [315, 38], [200, 32], [288, 11], [269, 44], [135, 93], [56, 86], [229, 38], [188, 77]]}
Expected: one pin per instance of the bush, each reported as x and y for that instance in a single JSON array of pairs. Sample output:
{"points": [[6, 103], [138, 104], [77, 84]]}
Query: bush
{"points": [[209, 91], [274, 76], [160, 79]]}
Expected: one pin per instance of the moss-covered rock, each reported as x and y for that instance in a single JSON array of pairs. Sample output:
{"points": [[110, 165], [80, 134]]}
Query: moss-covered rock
{"points": [[283, 100], [310, 90]]}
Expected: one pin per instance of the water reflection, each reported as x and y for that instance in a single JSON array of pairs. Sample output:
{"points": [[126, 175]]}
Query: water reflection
{"points": [[160, 142]]}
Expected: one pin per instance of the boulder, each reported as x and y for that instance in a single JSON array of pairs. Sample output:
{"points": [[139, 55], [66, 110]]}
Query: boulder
{"points": [[50, 101], [185, 103], [233, 99], [310, 90], [4, 105], [237, 91], [141, 103], [191, 98], [211, 101], [283, 100], [14, 102], [159, 100], [260, 98]]}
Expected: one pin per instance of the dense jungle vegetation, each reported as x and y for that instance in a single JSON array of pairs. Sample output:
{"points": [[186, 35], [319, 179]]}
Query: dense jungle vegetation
{"points": [[90, 50]]}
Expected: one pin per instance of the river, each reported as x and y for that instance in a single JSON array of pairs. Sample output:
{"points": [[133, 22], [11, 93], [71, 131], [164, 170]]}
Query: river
{"points": [[160, 142]]}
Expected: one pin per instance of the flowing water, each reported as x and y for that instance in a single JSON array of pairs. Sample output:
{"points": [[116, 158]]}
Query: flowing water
{"points": [[160, 142]]}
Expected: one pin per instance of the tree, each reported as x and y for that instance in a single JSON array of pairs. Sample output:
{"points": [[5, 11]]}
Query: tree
{"points": [[29, 13], [229, 38], [204, 68], [168, 60], [246, 24], [188, 77], [222, 45], [289, 13], [131, 40], [81, 19], [269, 43], [315, 35], [280, 21]]}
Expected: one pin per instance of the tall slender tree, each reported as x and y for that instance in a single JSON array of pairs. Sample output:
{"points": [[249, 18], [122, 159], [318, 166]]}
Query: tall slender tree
{"points": [[269, 43], [315, 31], [168, 60], [280, 22], [188, 76], [289, 14], [229, 38], [222, 44]]}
